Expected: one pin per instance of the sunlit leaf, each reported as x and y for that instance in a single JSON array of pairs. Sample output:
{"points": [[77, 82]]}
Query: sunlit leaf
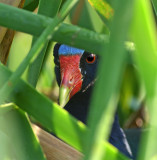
{"points": [[17, 138], [103, 8], [146, 56]]}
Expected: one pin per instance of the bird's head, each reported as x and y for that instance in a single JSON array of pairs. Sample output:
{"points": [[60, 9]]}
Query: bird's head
{"points": [[75, 71]]}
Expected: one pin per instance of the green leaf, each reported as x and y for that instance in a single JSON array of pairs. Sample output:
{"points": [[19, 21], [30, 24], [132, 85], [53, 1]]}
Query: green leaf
{"points": [[4, 139], [85, 16], [103, 8], [144, 35], [17, 138], [27, 22], [104, 99], [48, 32], [47, 8], [154, 2], [27, 2], [31, 5]]}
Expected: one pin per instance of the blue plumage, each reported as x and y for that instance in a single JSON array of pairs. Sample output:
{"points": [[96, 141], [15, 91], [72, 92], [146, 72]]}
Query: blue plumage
{"points": [[67, 50]]}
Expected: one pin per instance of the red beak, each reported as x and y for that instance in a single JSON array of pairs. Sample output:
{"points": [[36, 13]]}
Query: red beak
{"points": [[71, 77]]}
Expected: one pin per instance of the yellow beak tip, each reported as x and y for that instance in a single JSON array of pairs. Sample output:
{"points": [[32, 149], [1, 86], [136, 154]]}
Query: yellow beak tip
{"points": [[64, 95]]}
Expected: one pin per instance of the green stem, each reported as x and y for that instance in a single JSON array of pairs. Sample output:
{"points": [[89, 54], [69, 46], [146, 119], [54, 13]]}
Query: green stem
{"points": [[36, 66], [34, 24], [104, 99], [46, 35], [48, 8], [146, 58], [154, 2]]}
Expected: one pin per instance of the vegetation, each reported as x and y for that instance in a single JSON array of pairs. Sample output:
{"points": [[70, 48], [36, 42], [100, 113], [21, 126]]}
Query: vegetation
{"points": [[122, 32]]}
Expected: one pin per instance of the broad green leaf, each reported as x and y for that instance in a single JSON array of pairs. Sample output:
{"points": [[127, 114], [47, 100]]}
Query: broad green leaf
{"points": [[28, 22], [4, 139], [104, 99], [144, 35], [17, 138]]}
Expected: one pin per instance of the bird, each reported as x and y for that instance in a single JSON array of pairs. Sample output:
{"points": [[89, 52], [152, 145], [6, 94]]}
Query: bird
{"points": [[76, 75]]}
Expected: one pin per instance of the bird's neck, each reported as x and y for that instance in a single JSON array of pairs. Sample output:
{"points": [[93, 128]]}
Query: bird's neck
{"points": [[79, 104]]}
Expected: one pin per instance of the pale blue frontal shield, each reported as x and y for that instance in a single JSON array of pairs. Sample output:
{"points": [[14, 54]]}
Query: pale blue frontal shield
{"points": [[68, 50]]}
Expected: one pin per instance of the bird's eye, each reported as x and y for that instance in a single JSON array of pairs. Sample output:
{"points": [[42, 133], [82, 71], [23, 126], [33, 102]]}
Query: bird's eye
{"points": [[91, 58]]}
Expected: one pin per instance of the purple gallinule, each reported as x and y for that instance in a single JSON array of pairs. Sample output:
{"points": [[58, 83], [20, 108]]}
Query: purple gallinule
{"points": [[75, 71]]}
